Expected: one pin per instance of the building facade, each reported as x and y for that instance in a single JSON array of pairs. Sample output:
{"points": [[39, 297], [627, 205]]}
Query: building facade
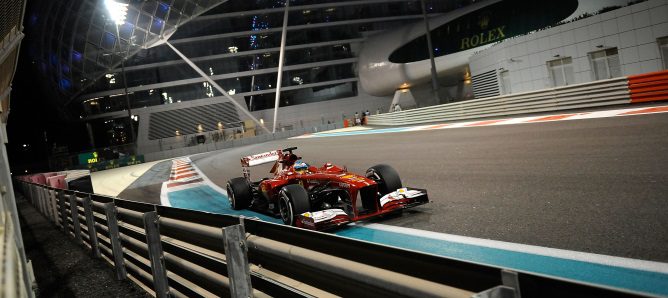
{"points": [[340, 58], [621, 42]]}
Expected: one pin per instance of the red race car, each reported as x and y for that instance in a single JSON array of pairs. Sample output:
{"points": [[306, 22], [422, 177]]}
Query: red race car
{"points": [[320, 198]]}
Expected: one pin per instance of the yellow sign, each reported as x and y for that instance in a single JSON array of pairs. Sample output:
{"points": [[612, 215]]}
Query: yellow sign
{"points": [[94, 159], [483, 38]]}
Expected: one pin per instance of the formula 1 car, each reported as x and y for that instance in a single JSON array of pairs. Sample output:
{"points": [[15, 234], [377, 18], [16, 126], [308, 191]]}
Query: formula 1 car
{"points": [[320, 198]]}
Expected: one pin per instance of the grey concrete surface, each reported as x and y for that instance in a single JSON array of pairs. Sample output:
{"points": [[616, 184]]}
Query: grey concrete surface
{"points": [[147, 187], [598, 185], [62, 268]]}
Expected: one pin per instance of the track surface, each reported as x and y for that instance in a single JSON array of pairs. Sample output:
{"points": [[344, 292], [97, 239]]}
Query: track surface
{"points": [[597, 185]]}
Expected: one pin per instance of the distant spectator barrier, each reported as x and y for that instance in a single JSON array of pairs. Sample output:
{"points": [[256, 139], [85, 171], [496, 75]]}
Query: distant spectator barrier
{"points": [[115, 163], [236, 142], [182, 253], [617, 91]]}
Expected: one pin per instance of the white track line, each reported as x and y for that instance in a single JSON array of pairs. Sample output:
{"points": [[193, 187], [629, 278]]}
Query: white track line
{"points": [[531, 249]]}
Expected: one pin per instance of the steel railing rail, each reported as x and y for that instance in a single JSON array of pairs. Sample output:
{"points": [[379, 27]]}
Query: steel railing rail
{"points": [[587, 95], [185, 253]]}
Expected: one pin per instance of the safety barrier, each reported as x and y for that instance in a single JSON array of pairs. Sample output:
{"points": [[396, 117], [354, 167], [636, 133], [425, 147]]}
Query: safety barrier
{"points": [[207, 147], [617, 91], [183, 253], [651, 86]]}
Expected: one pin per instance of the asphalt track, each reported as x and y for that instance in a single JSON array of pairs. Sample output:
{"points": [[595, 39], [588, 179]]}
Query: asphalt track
{"points": [[595, 185]]}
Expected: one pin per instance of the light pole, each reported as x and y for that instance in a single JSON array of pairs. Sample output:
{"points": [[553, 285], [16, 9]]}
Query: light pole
{"points": [[430, 48], [118, 12]]}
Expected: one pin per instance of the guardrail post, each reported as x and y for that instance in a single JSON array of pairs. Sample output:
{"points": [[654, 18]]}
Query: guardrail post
{"points": [[115, 239], [236, 255], [75, 218], [40, 199], [54, 205], [90, 224], [509, 289], [152, 228], [49, 204], [63, 211]]}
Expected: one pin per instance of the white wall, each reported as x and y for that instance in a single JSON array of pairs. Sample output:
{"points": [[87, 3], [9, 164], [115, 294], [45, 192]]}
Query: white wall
{"points": [[298, 116], [633, 30]]}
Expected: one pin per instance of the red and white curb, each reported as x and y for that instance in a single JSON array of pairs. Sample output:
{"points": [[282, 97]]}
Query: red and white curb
{"points": [[185, 175], [549, 118], [494, 122]]}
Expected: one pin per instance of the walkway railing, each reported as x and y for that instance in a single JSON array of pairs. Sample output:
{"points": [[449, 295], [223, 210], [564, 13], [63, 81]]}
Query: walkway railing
{"points": [[183, 253]]}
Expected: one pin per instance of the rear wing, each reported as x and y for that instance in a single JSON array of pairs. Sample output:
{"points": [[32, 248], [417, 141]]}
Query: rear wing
{"points": [[258, 159]]}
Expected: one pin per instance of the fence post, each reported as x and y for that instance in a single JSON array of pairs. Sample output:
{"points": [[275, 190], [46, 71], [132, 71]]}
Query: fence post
{"points": [[40, 199], [54, 205], [152, 228], [90, 224], [47, 203], [236, 255], [74, 212], [63, 211], [116, 248]]}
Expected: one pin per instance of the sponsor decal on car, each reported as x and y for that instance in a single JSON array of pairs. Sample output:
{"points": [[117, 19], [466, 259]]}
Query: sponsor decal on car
{"points": [[262, 158], [399, 194], [324, 215]]}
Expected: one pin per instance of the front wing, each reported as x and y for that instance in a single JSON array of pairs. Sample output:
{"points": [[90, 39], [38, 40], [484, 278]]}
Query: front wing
{"points": [[400, 199]]}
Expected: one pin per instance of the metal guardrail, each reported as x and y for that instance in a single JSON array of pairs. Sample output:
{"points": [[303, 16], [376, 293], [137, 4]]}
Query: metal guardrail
{"points": [[651, 86], [588, 95], [183, 253], [211, 146]]}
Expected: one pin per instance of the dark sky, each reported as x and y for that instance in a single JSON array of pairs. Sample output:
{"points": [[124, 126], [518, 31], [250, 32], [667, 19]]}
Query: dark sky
{"points": [[31, 115]]}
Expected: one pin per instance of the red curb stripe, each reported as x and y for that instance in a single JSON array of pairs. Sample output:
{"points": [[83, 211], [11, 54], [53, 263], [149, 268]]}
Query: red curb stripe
{"points": [[552, 118], [648, 110], [185, 176], [183, 171], [486, 122], [438, 126]]}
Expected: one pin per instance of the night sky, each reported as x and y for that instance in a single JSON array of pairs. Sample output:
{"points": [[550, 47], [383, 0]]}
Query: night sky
{"points": [[31, 116]]}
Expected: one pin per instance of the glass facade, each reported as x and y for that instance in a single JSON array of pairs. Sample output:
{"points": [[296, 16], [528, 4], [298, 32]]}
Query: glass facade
{"points": [[78, 41], [236, 42]]}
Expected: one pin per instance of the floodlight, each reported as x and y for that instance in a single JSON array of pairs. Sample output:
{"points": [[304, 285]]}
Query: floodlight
{"points": [[117, 10]]}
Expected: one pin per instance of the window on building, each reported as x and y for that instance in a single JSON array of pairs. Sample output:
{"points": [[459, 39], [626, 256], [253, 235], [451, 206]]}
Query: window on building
{"points": [[504, 78], [561, 71], [663, 48], [605, 64]]}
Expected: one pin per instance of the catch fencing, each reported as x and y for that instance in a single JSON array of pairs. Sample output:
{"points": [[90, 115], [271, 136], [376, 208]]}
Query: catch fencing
{"points": [[617, 91], [183, 253]]}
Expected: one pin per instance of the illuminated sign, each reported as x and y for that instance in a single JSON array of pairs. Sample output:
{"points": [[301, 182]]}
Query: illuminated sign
{"points": [[483, 38], [88, 158]]}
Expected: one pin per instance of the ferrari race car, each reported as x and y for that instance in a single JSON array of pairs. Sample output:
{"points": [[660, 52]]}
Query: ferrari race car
{"points": [[320, 198]]}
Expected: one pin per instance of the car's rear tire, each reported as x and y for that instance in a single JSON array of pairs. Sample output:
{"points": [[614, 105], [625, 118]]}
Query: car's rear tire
{"points": [[387, 178], [239, 193], [292, 201]]}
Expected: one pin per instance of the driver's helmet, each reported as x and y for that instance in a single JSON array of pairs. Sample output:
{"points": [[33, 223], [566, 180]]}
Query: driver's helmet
{"points": [[300, 167]]}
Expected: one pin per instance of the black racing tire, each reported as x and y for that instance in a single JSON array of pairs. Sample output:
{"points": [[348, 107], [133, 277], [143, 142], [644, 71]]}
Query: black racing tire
{"points": [[387, 178], [292, 201], [239, 192]]}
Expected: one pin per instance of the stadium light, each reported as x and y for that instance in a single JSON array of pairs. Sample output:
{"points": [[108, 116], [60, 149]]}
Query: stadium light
{"points": [[117, 10]]}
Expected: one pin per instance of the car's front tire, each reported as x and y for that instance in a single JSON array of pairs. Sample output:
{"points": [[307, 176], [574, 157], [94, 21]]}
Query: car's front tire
{"points": [[387, 178], [239, 193], [292, 201]]}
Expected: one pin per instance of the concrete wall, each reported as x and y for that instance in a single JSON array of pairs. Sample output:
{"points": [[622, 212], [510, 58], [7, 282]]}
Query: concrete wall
{"points": [[633, 30], [304, 117]]}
